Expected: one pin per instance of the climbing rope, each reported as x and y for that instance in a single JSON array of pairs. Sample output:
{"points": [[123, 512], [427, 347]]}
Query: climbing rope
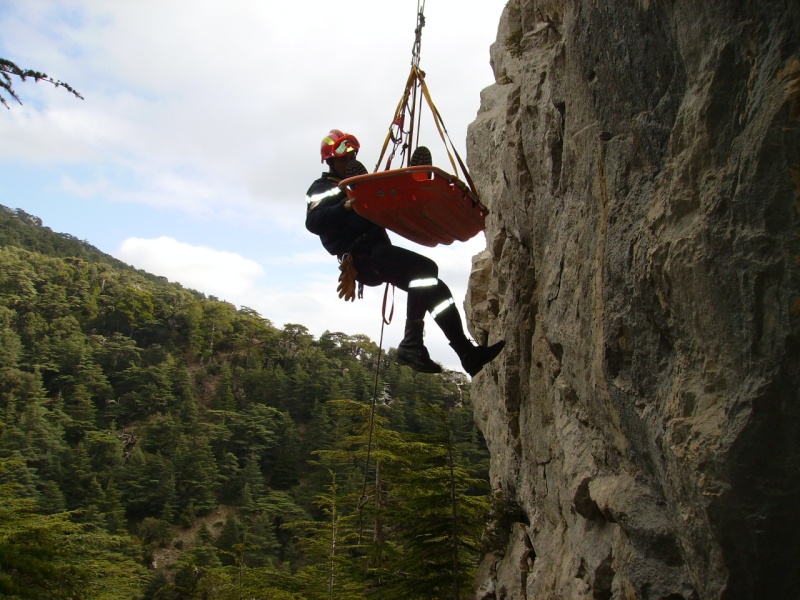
{"points": [[363, 499], [415, 51], [415, 56], [411, 102], [396, 137]]}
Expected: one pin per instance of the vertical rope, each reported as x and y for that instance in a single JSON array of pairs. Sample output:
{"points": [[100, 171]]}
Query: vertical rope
{"points": [[411, 88], [415, 113], [363, 499], [415, 52], [396, 132]]}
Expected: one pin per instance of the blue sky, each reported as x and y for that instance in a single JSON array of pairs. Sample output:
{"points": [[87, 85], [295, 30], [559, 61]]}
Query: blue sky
{"points": [[199, 134]]}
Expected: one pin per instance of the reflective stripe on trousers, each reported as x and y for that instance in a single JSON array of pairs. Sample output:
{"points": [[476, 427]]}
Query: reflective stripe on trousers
{"points": [[440, 308], [420, 283]]}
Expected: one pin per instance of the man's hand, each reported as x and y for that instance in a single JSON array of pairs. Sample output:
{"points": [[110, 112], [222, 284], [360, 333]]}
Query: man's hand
{"points": [[347, 279]]}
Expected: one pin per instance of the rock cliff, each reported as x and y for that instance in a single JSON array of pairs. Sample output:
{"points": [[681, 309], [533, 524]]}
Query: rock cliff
{"points": [[641, 161]]}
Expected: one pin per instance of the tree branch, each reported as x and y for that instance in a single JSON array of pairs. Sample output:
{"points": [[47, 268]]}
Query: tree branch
{"points": [[8, 68]]}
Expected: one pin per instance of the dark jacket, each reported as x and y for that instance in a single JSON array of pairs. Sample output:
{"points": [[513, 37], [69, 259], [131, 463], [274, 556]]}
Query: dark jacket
{"points": [[338, 228]]}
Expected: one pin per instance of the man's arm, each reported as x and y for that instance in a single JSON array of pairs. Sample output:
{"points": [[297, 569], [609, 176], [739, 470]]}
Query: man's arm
{"points": [[326, 207]]}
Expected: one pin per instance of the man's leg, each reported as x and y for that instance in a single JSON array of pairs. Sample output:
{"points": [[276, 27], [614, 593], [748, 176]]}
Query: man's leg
{"points": [[415, 274], [473, 358], [419, 276]]}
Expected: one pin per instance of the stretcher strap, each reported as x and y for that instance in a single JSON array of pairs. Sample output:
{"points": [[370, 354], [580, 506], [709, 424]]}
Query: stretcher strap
{"points": [[417, 78]]}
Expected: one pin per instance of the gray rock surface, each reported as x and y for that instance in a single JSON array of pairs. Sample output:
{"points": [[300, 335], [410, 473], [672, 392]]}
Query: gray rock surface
{"points": [[641, 161]]}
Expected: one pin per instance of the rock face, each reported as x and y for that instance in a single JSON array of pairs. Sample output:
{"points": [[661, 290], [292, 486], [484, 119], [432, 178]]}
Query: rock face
{"points": [[641, 161]]}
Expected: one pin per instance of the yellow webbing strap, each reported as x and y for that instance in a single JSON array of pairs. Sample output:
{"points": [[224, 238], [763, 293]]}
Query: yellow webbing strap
{"points": [[413, 76], [417, 77], [437, 117]]}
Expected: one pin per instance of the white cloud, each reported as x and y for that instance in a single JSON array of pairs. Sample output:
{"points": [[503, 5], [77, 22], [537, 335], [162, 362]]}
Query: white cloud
{"points": [[215, 272], [238, 88]]}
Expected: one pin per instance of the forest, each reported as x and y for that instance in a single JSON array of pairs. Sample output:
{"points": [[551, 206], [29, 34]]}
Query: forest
{"points": [[156, 443]]}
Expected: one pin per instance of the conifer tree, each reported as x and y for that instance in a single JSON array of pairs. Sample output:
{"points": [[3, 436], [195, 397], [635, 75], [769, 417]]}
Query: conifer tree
{"points": [[112, 508], [230, 478], [229, 538], [147, 485], [10, 343], [195, 472], [81, 411], [160, 435], [185, 408], [285, 471], [36, 433], [330, 545], [252, 481], [49, 556], [437, 520], [16, 474], [223, 398], [364, 452]]}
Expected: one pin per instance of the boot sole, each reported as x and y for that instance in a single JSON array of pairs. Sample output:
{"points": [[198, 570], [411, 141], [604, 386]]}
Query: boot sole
{"points": [[421, 157], [433, 368]]}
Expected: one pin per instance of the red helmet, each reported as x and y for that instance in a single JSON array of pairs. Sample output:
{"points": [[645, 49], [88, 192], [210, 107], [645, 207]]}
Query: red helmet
{"points": [[338, 143]]}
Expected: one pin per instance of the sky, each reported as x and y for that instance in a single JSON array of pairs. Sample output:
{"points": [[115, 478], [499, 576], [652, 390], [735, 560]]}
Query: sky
{"points": [[199, 133]]}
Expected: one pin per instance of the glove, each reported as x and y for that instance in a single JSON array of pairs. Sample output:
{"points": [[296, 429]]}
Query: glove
{"points": [[347, 279]]}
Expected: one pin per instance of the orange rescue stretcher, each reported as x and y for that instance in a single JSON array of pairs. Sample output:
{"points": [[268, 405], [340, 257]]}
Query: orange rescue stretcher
{"points": [[423, 204]]}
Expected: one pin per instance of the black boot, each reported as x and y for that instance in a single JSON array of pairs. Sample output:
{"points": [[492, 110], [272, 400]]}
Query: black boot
{"points": [[412, 352], [474, 358]]}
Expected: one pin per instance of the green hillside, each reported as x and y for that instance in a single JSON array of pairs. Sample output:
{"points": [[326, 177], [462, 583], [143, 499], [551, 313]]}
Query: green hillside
{"points": [[157, 443]]}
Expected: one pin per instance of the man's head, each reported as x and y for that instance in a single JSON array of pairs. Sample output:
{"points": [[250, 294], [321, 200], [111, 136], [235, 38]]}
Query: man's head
{"points": [[338, 149]]}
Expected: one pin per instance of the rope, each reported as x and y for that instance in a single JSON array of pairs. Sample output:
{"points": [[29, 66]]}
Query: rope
{"points": [[363, 499], [437, 117], [415, 52], [415, 81], [415, 102], [396, 131], [416, 89], [396, 138]]}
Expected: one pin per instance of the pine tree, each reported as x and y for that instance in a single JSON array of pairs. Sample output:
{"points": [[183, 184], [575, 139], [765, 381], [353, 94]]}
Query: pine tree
{"points": [[224, 398], [252, 481], [112, 508], [137, 427], [49, 556], [104, 452], [10, 343], [329, 545], [229, 538], [285, 472], [230, 479], [81, 411], [364, 452], [186, 409], [438, 519], [271, 516], [147, 484], [36, 432], [195, 472]]}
